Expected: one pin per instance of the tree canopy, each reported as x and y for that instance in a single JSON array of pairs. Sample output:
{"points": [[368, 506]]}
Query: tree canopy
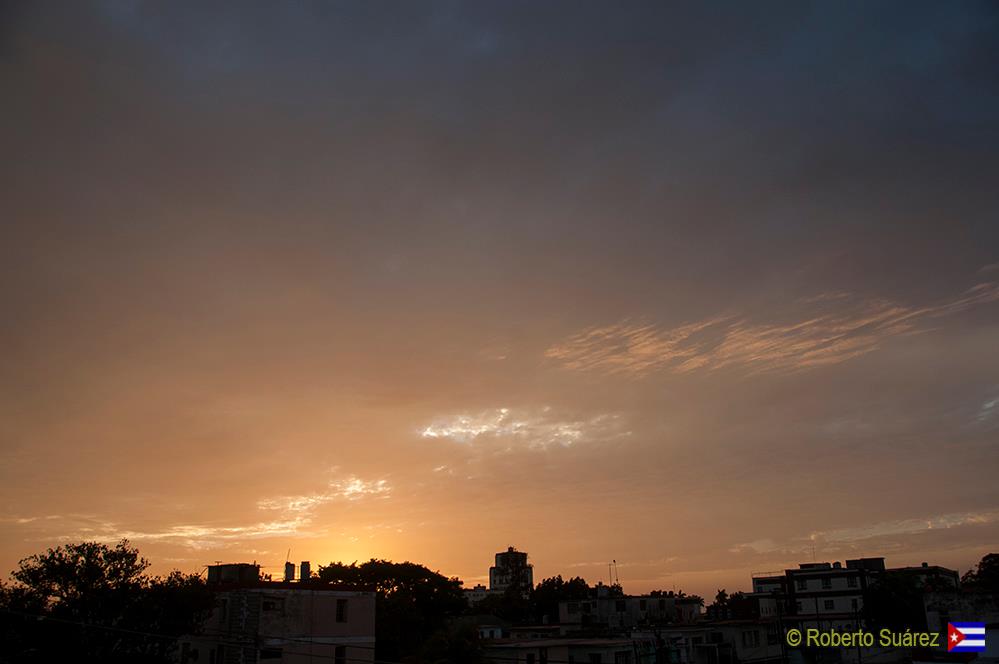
{"points": [[547, 595], [985, 576], [93, 602], [414, 603]]}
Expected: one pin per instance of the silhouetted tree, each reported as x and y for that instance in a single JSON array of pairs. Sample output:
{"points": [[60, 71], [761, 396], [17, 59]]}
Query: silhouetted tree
{"points": [[91, 602], [985, 576], [546, 595], [667, 593], [413, 602], [895, 602], [736, 605], [510, 605]]}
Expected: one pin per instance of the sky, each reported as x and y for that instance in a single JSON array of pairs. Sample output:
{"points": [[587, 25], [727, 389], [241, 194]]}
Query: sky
{"points": [[707, 289]]}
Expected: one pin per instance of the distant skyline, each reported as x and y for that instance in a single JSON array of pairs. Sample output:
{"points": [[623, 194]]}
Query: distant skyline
{"points": [[699, 287]]}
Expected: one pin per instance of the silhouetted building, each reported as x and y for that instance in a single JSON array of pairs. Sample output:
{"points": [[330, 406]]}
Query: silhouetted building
{"points": [[511, 569], [234, 573], [628, 611], [830, 595], [930, 578], [282, 622], [721, 642], [822, 595]]}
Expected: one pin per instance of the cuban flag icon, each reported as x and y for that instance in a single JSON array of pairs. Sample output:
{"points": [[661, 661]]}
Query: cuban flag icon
{"points": [[965, 637]]}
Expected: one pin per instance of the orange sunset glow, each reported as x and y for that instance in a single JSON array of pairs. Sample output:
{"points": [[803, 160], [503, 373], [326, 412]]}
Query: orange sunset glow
{"points": [[703, 296]]}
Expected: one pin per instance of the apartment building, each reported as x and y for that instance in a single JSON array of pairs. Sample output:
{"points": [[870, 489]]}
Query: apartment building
{"points": [[628, 611], [282, 622]]}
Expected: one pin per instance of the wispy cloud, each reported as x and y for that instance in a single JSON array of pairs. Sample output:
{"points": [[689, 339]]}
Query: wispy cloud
{"points": [[22, 520], [295, 520], [988, 410], [538, 430], [906, 526], [815, 338], [75, 527], [845, 538], [206, 536], [350, 488]]}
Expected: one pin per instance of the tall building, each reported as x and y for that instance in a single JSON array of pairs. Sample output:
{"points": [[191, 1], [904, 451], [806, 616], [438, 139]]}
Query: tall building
{"points": [[511, 570]]}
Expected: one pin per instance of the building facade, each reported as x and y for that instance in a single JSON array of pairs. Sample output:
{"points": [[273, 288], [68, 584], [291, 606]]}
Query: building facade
{"points": [[511, 569], [627, 612], [282, 622], [831, 595], [476, 594], [723, 641]]}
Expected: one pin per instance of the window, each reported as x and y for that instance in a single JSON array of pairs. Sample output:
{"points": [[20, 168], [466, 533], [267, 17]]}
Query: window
{"points": [[340, 655], [223, 610], [272, 605], [543, 656], [751, 638], [851, 581], [530, 658], [828, 605], [619, 606], [622, 657], [573, 607], [797, 606], [826, 583], [642, 604], [854, 604], [596, 658], [341, 610], [270, 653], [802, 584]]}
